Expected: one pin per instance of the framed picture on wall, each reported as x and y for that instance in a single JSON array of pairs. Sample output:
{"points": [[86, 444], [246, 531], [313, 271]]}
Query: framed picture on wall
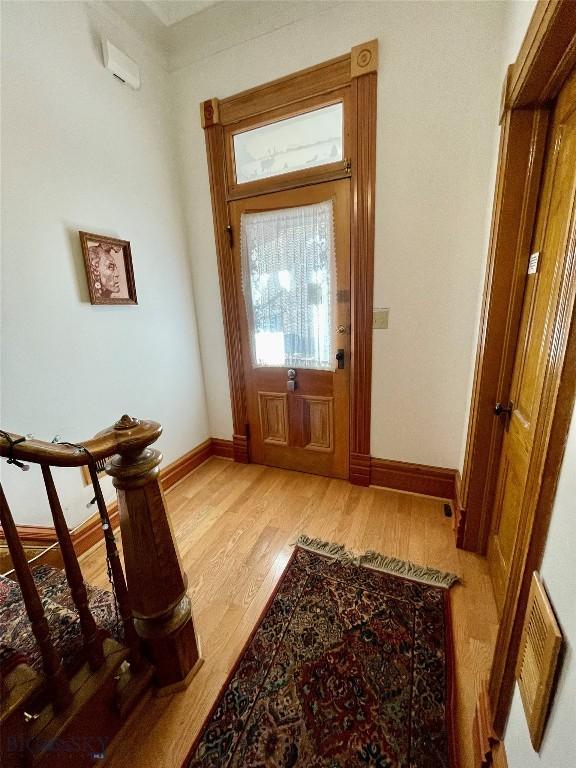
{"points": [[108, 263]]}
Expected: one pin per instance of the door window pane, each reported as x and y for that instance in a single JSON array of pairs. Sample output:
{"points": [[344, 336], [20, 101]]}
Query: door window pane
{"points": [[289, 283], [304, 141]]}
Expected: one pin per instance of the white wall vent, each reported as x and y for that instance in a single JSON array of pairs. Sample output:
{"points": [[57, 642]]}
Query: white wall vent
{"points": [[121, 65]]}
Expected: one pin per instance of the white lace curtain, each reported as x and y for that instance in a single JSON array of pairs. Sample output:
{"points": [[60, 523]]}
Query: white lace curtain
{"points": [[289, 282]]}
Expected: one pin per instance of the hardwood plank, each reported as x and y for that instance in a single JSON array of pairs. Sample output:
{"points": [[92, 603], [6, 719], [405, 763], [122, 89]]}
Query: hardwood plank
{"points": [[235, 524], [88, 533]]}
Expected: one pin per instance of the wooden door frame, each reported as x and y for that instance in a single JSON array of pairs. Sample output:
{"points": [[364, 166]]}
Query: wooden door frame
{"points": [[355, 73], [546, 58]]}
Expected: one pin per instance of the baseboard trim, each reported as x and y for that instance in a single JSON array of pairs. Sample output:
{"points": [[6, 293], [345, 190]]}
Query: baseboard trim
{"points": [[177, 470], [240, 449], [89, 533], [360, 469], [222, 448], [34, 534], [459, 513], [438, 482]]}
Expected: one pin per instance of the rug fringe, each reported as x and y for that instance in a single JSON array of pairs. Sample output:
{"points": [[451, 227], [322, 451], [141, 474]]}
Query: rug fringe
{"points": [[336, 552], [422, 573], [378, 562]]}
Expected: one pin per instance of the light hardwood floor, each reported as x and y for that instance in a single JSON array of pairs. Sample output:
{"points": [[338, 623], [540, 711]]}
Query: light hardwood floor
{"points": [[235, 524]]}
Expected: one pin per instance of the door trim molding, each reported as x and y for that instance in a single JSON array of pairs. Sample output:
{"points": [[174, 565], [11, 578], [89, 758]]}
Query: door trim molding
{"points": [[546, 58], [521, 156], [363, 187], [216, 154], [356, 73]]}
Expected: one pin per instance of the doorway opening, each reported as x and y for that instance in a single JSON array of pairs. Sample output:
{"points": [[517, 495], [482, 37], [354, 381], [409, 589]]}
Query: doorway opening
{"points": [[292, 263], [292, 177]]}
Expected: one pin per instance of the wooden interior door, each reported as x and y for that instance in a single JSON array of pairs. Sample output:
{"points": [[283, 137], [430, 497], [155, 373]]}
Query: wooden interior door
{"points": [[553, 237], [298, 408]]}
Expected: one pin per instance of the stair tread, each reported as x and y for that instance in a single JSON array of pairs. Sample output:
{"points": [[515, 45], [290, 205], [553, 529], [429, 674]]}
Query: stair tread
{"points": [[17, 643]]}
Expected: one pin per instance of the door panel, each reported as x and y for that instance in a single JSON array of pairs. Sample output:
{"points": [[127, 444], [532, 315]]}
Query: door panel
{"points": [[298, 414], [318, 423], [273, 418], [554, 222]]}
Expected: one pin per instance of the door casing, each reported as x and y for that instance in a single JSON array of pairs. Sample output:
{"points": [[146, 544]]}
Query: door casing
{"points": [[353, 79], [521, 441]]}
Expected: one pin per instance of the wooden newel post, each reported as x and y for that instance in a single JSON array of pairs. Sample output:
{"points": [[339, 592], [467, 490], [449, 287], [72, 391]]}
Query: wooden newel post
{"points": [[156, 581]]}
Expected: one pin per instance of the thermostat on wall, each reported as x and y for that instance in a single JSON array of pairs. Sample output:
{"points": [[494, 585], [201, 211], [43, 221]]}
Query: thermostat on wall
{"points": [[121, 65]]}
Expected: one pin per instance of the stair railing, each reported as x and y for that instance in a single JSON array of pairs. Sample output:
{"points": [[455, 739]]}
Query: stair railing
{"points": [[152, 598], [117, 575], [58, 686], [91, 636]]}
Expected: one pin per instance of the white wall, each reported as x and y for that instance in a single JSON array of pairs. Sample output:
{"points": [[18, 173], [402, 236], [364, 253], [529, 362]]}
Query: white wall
{"points": [[517, 14], [82, 151], [438, 101], [559, 577]]}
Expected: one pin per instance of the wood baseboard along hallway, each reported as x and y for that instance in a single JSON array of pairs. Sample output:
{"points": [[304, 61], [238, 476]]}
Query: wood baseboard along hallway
{"points": [[235, 524]]}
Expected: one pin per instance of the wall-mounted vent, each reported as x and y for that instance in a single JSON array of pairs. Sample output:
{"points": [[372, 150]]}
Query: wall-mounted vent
{"points": [[537, 660], [121, 65]]}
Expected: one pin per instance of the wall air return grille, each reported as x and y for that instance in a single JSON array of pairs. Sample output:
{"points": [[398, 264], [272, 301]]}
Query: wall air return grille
{"points": [[537, 659]]}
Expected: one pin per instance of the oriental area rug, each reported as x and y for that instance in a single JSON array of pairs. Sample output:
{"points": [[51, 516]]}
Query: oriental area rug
{"points": [[350, 665]]}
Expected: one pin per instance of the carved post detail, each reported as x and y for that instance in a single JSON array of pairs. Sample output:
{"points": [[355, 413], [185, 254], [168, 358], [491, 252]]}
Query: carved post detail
{"points": [[156, 582]]}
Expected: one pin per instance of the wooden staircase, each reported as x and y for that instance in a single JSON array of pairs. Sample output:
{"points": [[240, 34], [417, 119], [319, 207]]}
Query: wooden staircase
{"points": [[77, 659]]}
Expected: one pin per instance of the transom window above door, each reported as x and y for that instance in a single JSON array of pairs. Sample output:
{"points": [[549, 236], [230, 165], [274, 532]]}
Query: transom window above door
{"points": [[292, 144], [289, 284]]}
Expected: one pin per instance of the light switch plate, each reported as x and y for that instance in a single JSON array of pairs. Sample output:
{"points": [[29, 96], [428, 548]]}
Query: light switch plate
{"points": [[380, 318]]}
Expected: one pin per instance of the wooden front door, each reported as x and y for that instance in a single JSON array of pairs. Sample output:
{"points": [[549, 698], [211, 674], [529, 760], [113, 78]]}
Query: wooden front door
{"points": [[553, 235], [292, 271]]}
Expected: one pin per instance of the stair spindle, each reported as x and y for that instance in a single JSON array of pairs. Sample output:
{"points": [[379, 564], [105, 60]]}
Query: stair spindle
{"points": [[119, 582], [58, 686], [90, 633]]}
